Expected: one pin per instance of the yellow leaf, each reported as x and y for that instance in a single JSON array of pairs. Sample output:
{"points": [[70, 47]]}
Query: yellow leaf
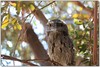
{"points": [[13, 21], [70, 27], [81, 8], [13, 4], [15, 27], [24, 5], [18, 7], [75, 16], [80, 15], [86, 16], [18, 26], [5, 22], [32, 7]]}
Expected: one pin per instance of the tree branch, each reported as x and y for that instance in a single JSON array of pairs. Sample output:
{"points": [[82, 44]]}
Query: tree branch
{"points": [[81, 5], [13, 58], [36, 46], [39, 13], [95, 35], [47, 5]]}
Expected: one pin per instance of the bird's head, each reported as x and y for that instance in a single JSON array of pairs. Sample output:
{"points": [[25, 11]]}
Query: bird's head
{"points": [[56, 25]]}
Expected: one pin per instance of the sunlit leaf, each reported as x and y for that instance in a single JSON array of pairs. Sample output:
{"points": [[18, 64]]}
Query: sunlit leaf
{"points": [[78, 22], [70, 27], [80, 8], [13, 21], [15, 24], [18, 7], [86, 16], [81, 16], [18, 26], [75, 16], [15, 27], [5, 22], [32, 7], [13, 4], [24, 5]]}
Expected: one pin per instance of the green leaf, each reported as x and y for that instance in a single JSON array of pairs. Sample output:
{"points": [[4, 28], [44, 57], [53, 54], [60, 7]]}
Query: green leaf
{"points": [[34, 23], [78, 22], [32, 7], [18, 7]]}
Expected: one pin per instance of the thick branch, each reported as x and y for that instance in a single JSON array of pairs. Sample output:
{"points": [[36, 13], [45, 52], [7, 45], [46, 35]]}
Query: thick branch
{"points": [[37, 47], [39, 15], [95, 35], [13, 58], [81, 5]]}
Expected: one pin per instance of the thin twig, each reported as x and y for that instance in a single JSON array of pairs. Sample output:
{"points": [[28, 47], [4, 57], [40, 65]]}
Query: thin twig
{"points": [[39, 3], [47, 5], [27, 61], [15, 47], [44, 60], [38, 9], [31, 19]]}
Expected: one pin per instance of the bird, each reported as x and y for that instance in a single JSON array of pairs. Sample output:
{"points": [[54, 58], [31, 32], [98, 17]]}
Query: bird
{"points": [[60, 45]]}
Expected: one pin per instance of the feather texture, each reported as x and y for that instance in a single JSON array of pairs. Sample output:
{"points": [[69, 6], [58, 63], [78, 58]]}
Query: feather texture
{"points": [[59, 43]]}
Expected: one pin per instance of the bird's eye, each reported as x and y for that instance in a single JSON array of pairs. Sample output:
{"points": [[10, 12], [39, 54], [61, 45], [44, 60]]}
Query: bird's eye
{"points": [[59, 24]]}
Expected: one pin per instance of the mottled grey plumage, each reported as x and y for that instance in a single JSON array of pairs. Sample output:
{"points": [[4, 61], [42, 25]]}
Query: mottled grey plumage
{"points": [[59, 43]]}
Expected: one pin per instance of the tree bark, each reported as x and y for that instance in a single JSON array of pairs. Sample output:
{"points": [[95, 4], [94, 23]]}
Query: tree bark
{"points": [[36, 46], [95, 35], [40, 16]]}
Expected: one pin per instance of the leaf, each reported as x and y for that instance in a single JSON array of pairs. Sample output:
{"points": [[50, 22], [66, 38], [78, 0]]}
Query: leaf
{"points": [[70, 27], [80, 8], [75, 16], [18, 7], [78, 22], [5, 22], [86, 16], [81, 16], [32, 7], [13, 4], [17, 26], [13, 21], [2, 16]]}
